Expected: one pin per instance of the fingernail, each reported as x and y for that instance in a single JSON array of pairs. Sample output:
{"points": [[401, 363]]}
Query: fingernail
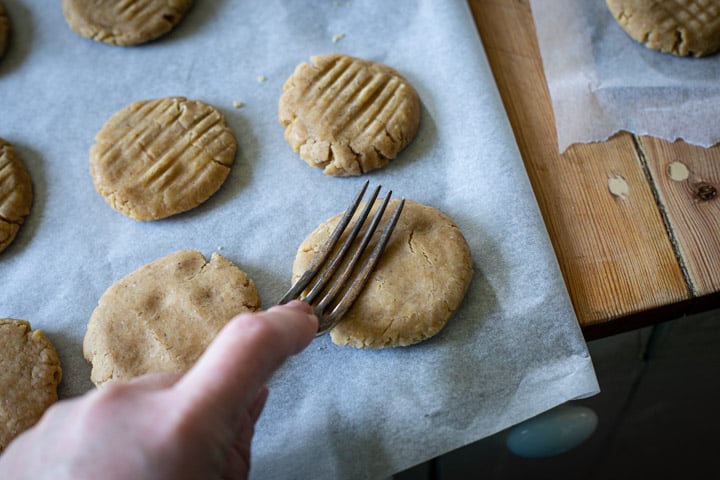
{"points": [[300, 306]]}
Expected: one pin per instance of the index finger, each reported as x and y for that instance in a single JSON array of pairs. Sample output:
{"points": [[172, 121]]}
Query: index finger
{"points": [[245, 354]]}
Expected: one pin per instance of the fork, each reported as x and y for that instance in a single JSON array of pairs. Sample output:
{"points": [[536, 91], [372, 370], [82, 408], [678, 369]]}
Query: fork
{"points": [[329, 291]]}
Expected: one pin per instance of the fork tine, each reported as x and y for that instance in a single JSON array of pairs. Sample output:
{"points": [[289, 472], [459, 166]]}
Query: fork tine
{"points": [[322, 277], [341, 280], [325, 250], [361, 278], [337, 260]]}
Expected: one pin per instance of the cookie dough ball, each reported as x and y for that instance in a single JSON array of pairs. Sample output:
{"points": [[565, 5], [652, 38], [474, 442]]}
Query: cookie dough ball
{"points": [[157, 158], [129, 22], [683, 28], [4, 30], [346, 115], [15, 194], [418, 283], [29, 375], [161, 317]]}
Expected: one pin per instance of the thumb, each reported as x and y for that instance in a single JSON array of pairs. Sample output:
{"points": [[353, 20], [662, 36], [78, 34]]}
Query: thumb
{"points": [[244, 355]]}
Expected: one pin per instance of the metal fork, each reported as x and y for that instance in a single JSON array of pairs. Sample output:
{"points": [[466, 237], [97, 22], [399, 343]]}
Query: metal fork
{"points": [[332, 292]]}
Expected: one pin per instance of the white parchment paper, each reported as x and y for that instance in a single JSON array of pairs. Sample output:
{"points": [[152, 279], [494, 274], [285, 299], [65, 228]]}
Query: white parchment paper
{"points": [[512, 350], [601, 81]]}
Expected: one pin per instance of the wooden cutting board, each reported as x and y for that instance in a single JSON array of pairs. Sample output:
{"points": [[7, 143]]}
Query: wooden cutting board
{"points": [[635, 221]]}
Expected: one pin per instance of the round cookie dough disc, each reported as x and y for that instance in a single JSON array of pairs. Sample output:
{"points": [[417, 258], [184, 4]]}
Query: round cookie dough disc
{"points": [[690, 27], [129, 22], [15, 194], [156, 158], [29, 375], [162, 316], [4, 30], [346, 115], [418, 283]]}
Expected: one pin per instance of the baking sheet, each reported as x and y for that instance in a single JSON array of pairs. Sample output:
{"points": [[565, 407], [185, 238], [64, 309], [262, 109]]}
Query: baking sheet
{"points": [[512, 350], [601, 81]]}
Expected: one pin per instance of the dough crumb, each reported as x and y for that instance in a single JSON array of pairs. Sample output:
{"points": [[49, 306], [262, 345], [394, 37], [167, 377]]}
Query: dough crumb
{"points": [[237, 104], [261, 78], [338, 37]]}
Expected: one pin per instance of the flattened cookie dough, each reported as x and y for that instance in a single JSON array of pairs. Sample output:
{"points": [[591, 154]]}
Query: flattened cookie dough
{"points": [[29, 375], [679, 27], [417, 285], [15, 194], [162, 316], [346, 115], [157, 158], [124, 22], [4, 30]]}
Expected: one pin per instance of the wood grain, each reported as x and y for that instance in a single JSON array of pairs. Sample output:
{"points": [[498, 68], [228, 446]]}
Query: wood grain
{"points": [[691, 205], [614, 251]]}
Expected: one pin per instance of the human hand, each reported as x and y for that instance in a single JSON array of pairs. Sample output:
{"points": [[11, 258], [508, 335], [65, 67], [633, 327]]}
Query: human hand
{"points": [[166, 426]]}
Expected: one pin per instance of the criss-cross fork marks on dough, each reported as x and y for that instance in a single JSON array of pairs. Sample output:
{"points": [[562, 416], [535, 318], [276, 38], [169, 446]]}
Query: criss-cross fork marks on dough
{"points": [[15, 194], [346, 115], [124, 22], [157, 158], [679, 27]]}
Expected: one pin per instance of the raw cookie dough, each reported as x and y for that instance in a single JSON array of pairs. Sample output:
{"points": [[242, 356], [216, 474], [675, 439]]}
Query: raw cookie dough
{"points": [[679, 27], [124, 22], [15, 194], [157, 158], [4, 30], [162, 316], [29, 375], [417, 285], [346, 115]]}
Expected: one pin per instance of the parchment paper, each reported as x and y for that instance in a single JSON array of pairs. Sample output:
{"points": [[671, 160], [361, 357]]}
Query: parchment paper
{"points": [[512, 350], [602, 81]]}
